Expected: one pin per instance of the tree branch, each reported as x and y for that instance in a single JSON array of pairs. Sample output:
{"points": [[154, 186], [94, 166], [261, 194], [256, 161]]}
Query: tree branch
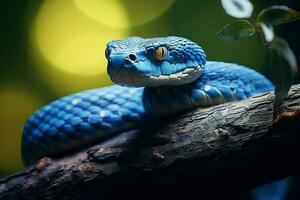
{"points": [[218, 150]]}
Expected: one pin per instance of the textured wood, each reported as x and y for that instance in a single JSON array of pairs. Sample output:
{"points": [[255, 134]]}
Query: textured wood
{"points": [[220, 150]]}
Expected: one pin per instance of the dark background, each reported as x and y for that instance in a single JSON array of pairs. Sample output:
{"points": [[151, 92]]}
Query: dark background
{"points": [[51, 48]]}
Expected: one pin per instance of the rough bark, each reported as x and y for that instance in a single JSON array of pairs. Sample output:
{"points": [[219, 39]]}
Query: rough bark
{"points": [[220, 150]]}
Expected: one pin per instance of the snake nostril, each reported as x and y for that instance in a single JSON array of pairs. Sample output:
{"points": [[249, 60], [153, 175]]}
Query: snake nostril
{"points": [[132, 57], [127, 62]]}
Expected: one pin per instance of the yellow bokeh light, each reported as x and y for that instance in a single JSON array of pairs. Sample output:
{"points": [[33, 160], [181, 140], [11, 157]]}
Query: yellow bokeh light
{"points": [[109, 13], [16, 106], [82, 54], [70, 41], [123, 13]]}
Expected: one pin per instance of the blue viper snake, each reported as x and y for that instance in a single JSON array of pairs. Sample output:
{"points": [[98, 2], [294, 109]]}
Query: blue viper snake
{"points": [[154, 78]]}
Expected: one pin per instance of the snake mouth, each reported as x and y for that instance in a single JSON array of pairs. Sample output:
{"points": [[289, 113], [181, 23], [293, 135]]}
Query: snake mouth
{"points": [[127, 77]]}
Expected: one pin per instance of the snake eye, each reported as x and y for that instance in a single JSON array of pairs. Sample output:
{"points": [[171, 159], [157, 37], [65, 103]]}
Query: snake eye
{"points": [[160, 53], [107, 52]]}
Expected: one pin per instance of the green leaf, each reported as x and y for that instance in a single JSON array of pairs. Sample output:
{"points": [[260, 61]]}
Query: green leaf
{"points": [[284, 65], [238, 8], [268, 32], [275, 15], [284, 50], [282, 79], [236, 30]]}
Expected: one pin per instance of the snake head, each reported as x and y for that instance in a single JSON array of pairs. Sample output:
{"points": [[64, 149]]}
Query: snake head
{"points": [[140, 62]]}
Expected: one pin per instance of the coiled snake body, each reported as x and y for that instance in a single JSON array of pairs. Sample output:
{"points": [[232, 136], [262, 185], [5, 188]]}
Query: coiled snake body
{"points": [[166, 75]]}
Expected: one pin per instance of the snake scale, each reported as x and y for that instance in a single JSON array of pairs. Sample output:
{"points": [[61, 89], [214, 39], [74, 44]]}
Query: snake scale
{"points": [[154, 77]]}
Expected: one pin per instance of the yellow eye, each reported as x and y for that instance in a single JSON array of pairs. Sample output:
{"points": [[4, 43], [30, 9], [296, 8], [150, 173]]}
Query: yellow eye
{"points": [[107, 52], [160, 53]]}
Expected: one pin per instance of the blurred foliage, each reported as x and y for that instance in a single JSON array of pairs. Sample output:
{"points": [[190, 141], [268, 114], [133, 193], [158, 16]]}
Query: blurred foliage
{"points": [[236, 30], [279, 49], [52, 48], [238, 8]]}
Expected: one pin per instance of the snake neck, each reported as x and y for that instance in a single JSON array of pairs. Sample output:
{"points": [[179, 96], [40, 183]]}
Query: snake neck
{"points": [[167, 100], [219, 83]]}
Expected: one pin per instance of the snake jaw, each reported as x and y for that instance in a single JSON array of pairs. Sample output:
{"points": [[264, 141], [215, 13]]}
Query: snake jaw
{"points": [[133, 79], [179, 78]]}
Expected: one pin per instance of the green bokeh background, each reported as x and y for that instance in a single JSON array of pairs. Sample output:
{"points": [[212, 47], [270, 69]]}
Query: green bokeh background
{"points": [[24, 86]]}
